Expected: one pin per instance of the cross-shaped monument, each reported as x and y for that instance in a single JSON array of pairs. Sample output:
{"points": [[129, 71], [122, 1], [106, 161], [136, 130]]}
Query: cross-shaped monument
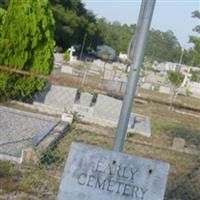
{"points": [[71, 50]]}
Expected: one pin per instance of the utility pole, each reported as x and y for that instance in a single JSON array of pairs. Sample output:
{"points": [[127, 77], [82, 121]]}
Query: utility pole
{"points": [[137, 55]]}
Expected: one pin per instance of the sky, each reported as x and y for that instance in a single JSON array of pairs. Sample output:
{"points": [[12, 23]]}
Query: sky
{"points": [[172, 15]]}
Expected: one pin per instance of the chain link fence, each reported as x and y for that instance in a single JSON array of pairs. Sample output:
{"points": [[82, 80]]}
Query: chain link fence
{"points": [[30, 111]]}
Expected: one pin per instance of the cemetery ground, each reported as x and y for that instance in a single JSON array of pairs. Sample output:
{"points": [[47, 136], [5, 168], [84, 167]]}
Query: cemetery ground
{"points": [[41, 180]]}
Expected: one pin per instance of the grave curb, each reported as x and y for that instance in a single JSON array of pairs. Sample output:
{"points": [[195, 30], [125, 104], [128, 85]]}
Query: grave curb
{"points": [[53, 137]]}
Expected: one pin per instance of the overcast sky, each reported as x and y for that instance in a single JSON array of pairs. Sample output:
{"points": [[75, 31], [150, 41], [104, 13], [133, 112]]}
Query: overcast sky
{"points": [[172, 15]]}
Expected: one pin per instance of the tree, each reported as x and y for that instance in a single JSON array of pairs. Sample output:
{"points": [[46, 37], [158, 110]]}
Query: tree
{"points": [[2, 19], [195, 76], [73, 21], [114, 35], [176, 79], [26, 43], [195, 51], [162, 46]]}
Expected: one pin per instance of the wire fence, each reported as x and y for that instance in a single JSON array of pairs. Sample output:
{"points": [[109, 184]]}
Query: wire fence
{"points": [[31, 108]]}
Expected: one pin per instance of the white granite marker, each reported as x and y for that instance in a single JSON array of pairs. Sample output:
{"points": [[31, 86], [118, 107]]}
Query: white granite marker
{"points": [[92, 173]]}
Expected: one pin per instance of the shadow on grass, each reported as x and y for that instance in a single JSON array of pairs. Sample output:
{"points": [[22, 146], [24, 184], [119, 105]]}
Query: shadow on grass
{"points": [[191, 135]]}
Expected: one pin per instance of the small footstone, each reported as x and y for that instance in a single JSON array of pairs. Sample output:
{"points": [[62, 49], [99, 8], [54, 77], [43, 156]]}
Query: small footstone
{"points": [[178, 144]]}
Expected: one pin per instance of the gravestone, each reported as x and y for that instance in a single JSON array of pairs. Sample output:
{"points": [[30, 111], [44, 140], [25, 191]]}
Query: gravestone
{"points": [[94, 173], [147, 86], [113, 85], [86, 99], [178, 144], [60, 97], [107, 108], [139, 124], [66, 69], [164, 90], [58, 58], [108, 75], [67, 117]]}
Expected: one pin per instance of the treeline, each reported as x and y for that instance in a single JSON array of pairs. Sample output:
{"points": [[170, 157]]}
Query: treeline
{"points": [[74, 22]]}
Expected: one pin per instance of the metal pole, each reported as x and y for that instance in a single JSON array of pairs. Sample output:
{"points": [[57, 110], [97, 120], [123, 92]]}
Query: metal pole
{"points": [[143, 24]]}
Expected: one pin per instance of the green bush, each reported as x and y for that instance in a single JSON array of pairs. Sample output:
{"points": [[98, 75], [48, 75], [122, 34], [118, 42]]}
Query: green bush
{"points": [[67, 56], [27, 43]]}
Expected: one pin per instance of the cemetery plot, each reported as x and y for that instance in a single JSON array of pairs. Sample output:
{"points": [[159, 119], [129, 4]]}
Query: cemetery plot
{"points": [[95, 173], [106, 112], [19, 130]]}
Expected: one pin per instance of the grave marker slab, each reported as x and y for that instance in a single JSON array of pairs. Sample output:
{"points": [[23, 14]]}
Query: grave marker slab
{"points": [[165, 90], [66, 69], [86, 99], [95, 173], [178, 144], [107, 108], [60, 97]]}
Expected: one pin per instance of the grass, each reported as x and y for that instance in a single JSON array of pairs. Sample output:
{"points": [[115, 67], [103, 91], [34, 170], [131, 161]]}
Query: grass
{"points": [[41, 181], [183, 100], [191, 135]]}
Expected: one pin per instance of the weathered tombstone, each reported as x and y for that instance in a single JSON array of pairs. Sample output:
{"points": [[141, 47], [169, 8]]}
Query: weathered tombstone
{"points": [[178, 144], [66, 69], [139, 124], [95, 173], [147, 86], [108, 74], [164, 90], [67, 117], [61, 97], [107, 108], [86, 99], [58, 58]]}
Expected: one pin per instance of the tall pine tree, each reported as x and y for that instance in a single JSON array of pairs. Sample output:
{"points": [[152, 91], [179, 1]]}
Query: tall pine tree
{"points": [[26, 43], [195, 52]]}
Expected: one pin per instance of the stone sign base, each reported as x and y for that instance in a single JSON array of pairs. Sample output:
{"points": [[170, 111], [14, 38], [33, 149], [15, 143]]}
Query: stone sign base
{"points": [[94, 173]]}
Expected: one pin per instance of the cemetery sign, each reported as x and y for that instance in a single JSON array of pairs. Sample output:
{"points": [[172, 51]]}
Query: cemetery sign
{"points": [[95, 173]]}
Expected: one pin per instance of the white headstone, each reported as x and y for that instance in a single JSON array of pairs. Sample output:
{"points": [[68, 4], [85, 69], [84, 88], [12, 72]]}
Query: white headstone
{"points": [[92, 173], [66, 69]]}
